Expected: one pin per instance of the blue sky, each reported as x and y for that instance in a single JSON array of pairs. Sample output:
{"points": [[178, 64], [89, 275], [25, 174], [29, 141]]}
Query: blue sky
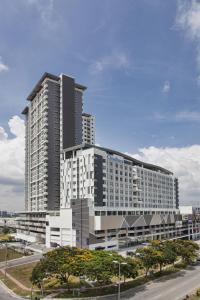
{"points": [[138, 58], [127, 97]]}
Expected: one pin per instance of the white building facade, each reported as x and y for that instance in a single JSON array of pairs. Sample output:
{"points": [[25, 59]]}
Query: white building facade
{"points": [[112, 198], [123, 182]]}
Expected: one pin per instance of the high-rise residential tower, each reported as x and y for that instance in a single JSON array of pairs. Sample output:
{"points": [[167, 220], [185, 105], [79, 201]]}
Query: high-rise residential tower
{"points": [[53, 123]]}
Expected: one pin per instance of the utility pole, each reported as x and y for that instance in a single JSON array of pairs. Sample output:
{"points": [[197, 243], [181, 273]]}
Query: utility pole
{"points": [[119, 275]]}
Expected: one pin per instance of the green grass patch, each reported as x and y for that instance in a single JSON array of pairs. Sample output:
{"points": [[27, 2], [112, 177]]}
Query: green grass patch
{"points": [[17, 290], [13, 287], [11, 254], [22, 273], [5, 237], [196, 296]]}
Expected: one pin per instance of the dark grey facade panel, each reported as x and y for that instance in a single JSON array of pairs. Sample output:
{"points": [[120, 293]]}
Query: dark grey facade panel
{"points": [[72, 112], [53, 146], [78, 117], [68, 110], [80, 221], [176, 192], [98, 175], [27, 162]]}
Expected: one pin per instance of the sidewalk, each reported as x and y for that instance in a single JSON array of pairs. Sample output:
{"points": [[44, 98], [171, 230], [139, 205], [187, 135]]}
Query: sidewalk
{"points": [[10, 292]]}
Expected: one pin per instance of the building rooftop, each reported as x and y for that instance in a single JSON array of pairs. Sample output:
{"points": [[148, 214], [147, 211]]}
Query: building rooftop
{"points": [[80, 86], [50, 76], [25, 110], [86, 115], [125, 156], [39, 84]]}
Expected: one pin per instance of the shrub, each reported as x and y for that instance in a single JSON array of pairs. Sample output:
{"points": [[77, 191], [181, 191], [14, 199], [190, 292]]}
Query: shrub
{"points": [[198, 292]]}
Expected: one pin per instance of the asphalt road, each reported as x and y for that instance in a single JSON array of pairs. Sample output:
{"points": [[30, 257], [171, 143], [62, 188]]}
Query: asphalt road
{"points": [[4, 295], [22, 260], [174, 288]]}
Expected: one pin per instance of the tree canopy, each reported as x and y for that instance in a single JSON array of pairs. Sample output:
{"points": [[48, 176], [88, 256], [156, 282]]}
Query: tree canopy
{"points": [[102, 266]]}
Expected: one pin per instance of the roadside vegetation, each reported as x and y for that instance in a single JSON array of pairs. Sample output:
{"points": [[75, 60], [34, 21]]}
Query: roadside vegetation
{"points": [[7, 250], [97, 272], [71, 272], [5, 230], [12, 286], [5, 237], [195, 296]]}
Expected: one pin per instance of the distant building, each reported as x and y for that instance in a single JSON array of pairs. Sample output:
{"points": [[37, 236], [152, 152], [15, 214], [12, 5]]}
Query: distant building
{"points": [[6, 214], [88, 129], [191, 219]]}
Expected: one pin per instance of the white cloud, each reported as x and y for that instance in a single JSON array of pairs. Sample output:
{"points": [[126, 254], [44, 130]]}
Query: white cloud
{"points": [[116, 60], [188, 19], [45, 9], [12, 165], [166, 87], [188, 116], [3, 67], [3, 134], [181, 116], [184, 162], [16, 125]]}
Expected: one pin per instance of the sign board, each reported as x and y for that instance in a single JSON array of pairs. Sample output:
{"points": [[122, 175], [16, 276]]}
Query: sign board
{"points": [[178, 224]]}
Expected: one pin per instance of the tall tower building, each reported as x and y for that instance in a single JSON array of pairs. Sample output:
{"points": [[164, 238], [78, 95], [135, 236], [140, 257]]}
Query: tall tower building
{"points": [[88, 129], [53, 123]]}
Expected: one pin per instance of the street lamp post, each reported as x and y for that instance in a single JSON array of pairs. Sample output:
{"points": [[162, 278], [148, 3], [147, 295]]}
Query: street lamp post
{"points": [[31, 292], [119, 275], [6, 257]]}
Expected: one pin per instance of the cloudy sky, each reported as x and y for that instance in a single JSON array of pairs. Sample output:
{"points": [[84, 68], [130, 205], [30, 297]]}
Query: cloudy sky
{"points": [[141, 62]]}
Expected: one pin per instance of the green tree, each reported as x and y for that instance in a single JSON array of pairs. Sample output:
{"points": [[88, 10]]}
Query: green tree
{"points": [[165, 252], [171, 251], [61, 263], [148, 258], [130, 269], [39, 273], [187, 250], [6, 230], [65, 262], [100, 267]]}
